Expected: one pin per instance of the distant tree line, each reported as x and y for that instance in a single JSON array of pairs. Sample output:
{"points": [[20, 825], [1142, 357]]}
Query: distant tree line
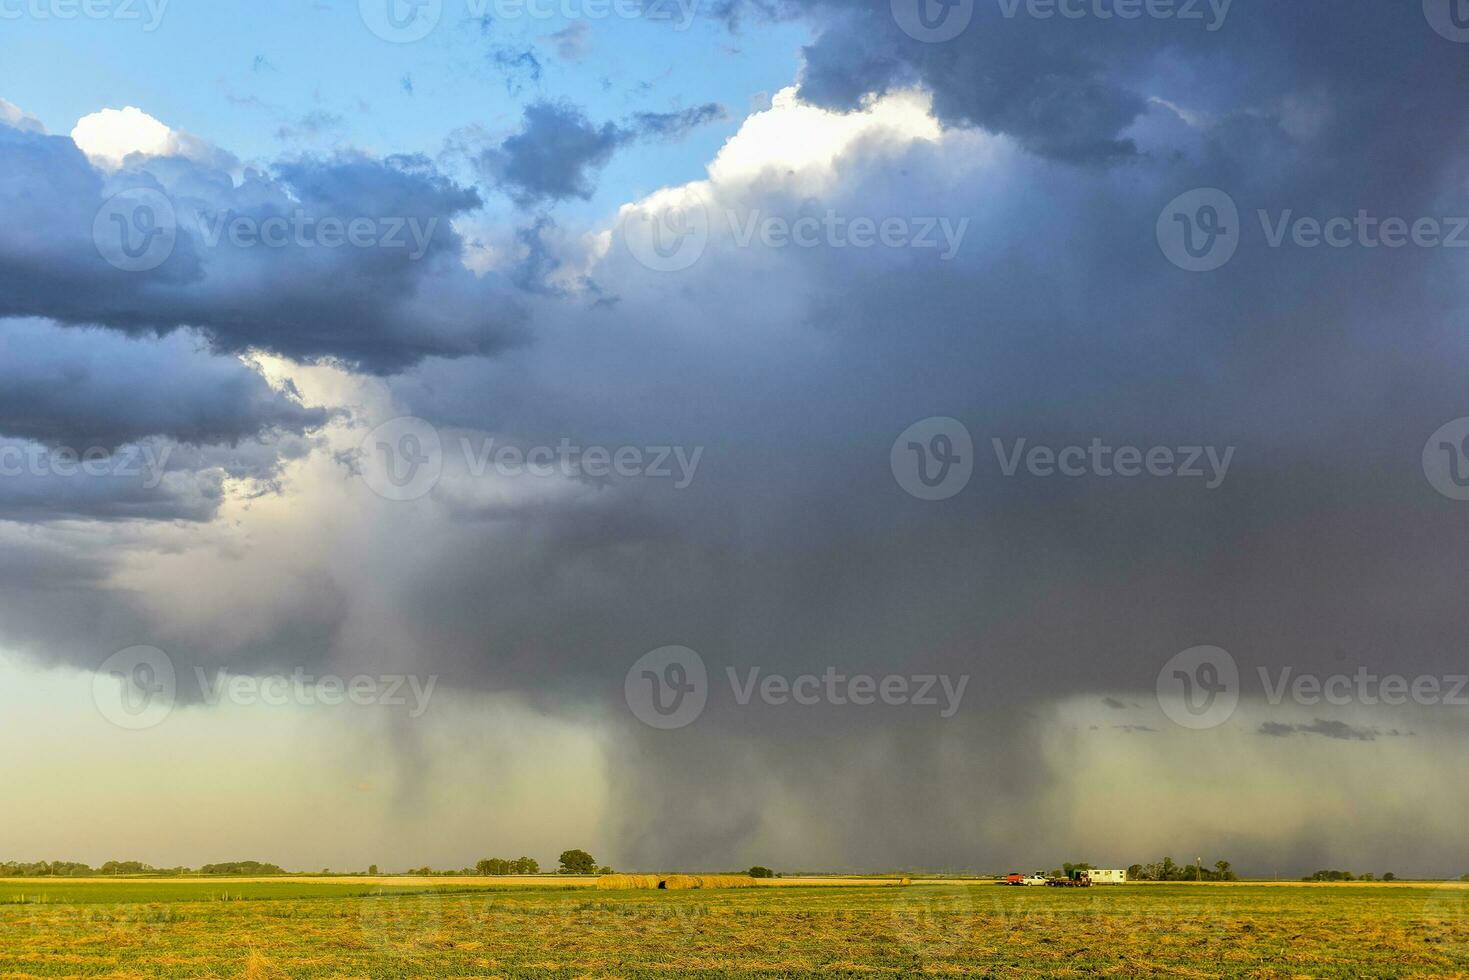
{"points": [[508, 866], [242, 868], [76, 869], [1166, 870], [1328, 875]]}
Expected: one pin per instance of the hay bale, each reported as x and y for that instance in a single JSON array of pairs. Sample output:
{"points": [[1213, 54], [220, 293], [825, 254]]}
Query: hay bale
{"points": [[726, 881], [608, 882], [680, 882], [684, 882], [675, 882]]}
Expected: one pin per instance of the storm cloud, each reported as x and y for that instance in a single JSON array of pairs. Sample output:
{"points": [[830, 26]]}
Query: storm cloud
{"points": [[259, 265], [1058, 319]]}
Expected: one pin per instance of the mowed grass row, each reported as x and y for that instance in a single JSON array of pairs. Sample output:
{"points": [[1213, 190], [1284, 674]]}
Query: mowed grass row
{"points": [[1148, 930]]}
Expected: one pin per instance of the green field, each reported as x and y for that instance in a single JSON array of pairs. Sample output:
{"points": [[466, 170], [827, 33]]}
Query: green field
{"points": [[474, 928]]}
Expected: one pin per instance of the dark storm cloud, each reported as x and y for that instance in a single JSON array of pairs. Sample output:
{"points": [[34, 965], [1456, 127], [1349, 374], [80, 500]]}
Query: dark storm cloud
{"points": [[558, 151], [380, 307], [96, 388], [1059, 321], [1070, 88], [554, 157]]}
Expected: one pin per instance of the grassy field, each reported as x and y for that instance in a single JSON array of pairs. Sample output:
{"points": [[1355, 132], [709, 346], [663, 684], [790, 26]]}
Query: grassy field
{"points": [[398, 927]]}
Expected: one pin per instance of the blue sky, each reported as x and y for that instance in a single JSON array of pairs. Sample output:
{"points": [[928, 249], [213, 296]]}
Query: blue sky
{"points": [[237, 74]]}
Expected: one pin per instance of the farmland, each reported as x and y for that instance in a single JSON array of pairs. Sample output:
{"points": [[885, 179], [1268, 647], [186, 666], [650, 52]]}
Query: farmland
{"points": [[401, 927]]}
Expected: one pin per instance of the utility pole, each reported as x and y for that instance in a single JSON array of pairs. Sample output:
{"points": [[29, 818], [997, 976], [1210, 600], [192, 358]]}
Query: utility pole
{"points": [[1199, 873]]}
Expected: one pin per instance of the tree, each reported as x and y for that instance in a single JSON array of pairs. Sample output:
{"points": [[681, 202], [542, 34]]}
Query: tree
{"points": [[577, 862], [760, 871], [1389, 876], [372, 869]]}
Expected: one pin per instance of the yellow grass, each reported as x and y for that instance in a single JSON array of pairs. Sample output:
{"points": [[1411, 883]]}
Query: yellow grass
{"points": [[676, 882]]}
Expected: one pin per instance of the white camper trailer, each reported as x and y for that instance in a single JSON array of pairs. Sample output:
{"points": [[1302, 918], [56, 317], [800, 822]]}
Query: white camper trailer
{"points": [[1107, 876]]}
